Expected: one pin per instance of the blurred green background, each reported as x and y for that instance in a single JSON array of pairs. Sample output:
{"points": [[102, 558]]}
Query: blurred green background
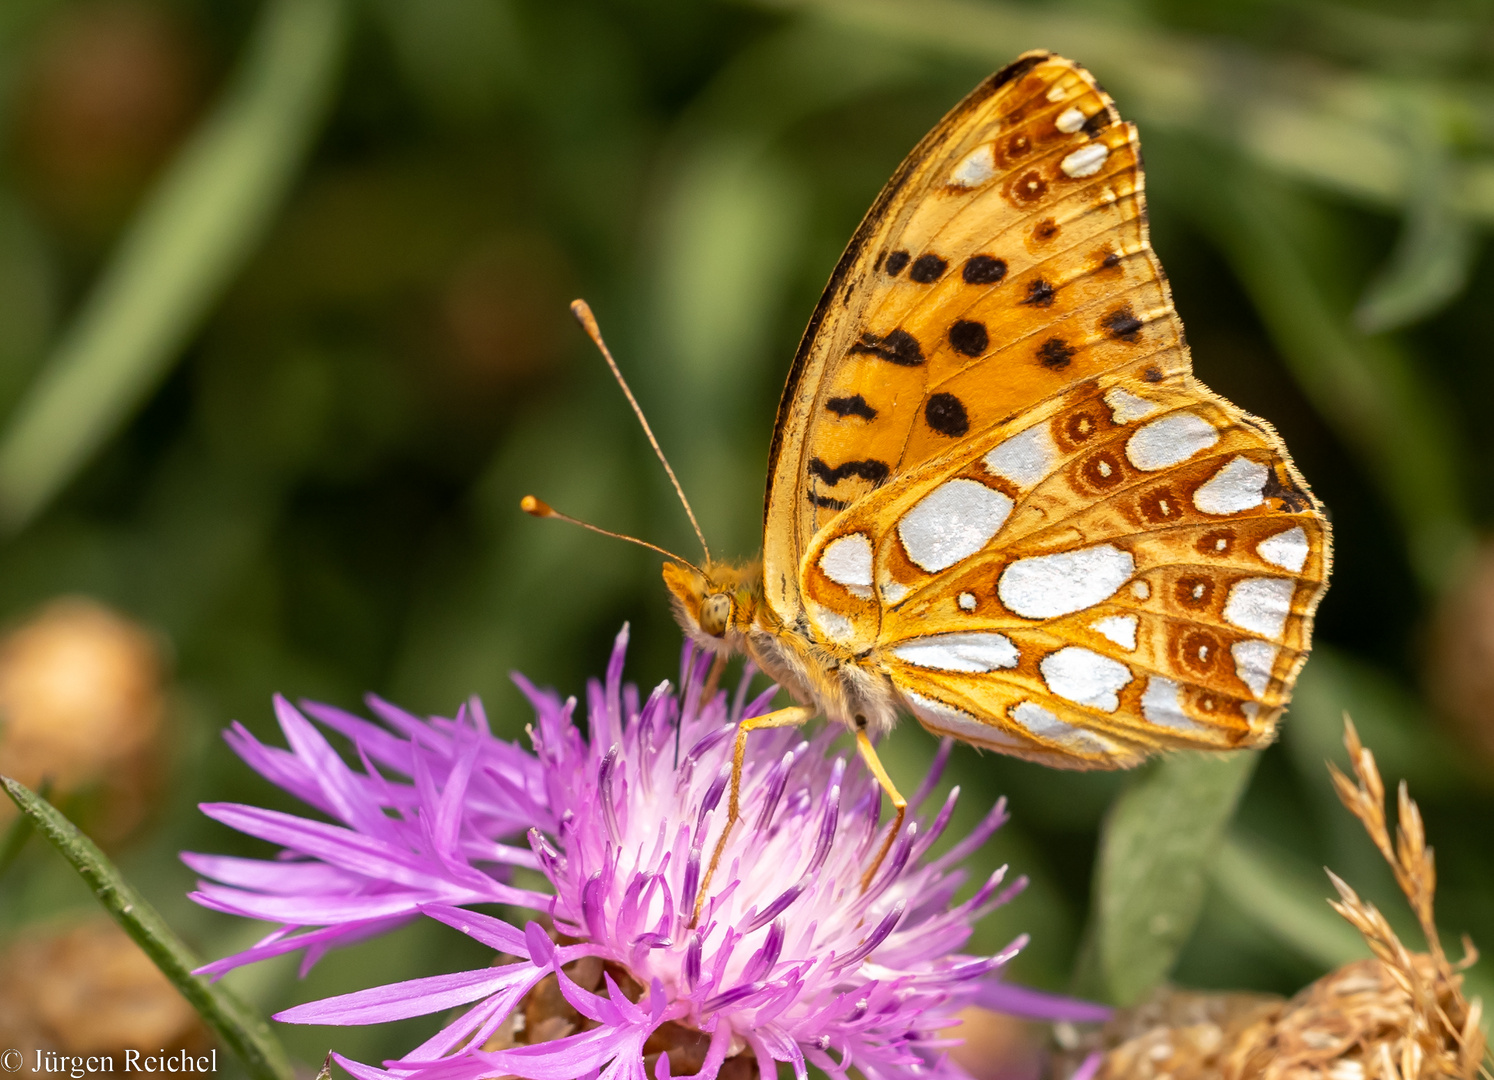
{"points": [[284, 338]]}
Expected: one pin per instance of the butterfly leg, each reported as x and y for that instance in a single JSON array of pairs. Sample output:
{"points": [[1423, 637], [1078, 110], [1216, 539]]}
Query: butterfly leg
{"points": [[899, 804], [791, 717]]}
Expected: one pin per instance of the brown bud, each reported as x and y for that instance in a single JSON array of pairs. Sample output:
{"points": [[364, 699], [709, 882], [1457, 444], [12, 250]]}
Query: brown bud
{"points": [[81, 704], [87, 989], [997, 1047], [105, 95], [1461, 654]]}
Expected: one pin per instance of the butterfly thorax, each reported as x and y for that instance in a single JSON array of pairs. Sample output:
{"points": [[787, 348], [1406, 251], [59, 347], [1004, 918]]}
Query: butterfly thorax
{"points": [[724, 611]]}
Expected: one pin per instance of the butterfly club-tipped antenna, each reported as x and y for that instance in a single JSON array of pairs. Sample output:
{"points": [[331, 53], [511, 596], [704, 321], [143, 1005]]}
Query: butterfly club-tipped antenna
{"points": [[541, 509], [582, 310]]}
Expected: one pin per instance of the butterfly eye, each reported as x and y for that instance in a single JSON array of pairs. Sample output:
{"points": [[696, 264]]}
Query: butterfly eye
{"points": [[715, 614]]}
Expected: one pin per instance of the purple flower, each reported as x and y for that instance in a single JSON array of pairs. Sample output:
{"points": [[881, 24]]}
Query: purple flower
{"points": [[790, 959]]}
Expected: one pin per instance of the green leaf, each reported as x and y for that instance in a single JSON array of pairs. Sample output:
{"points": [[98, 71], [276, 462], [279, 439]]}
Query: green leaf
{"points": [[245, 1032], [1152, 871], [197, 227], [1432, 257]]}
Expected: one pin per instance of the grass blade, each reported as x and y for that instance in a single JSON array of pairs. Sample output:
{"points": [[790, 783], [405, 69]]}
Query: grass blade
{"points": [[196, 228], [1287, 904], [19, 832], [1368, 389], [1330, 126], [245, 1032]]}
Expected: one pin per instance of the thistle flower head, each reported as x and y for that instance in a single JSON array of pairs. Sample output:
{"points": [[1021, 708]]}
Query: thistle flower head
{"points": [[790, 958]]}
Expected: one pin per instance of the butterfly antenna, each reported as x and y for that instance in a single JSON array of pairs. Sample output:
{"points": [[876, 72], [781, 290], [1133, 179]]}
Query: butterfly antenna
{"points": [[541, 509], [588, 321]]}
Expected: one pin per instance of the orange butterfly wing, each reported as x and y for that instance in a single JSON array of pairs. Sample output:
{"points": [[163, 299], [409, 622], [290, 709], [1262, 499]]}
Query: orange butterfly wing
{"points": [[1003, 284]]}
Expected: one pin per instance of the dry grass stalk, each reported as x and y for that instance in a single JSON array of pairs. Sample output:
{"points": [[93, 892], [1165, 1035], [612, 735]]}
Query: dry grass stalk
{"points": [[1399, 1016], [1443, 1036]]}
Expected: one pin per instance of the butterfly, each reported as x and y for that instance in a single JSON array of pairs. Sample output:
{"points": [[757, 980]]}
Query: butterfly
{"points": [[997, 497]]}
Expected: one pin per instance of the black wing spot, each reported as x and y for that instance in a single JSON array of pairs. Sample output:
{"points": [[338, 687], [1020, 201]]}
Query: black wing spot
{"points": [[1055, 353], [870, 469], [927, 269], [896, 261], [1039, 294], [969, 337], [1110, 261], [946, 415], [826, 502], [1152, 374], [1097, 123], [1016, 69], [983, 270], [1122, 324], [1292, 498], [855, 405], [897, 347]]}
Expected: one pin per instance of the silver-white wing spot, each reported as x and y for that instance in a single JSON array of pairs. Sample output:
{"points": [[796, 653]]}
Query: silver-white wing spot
{"points": [[1126, 407], [952, 522], [1046, 586], [967, 601], [1174, 438], [1044, 724], [959, 652], [1084, 677], [847, 560], [1260, 605], [1162, 704], [947, 720], [1253, 663], [977, 167], [1120, 629], [833, 625], [1238, 486], [1026, 458], [1141, 590], [1287, 550], [1085, 161], [1070, 121]]}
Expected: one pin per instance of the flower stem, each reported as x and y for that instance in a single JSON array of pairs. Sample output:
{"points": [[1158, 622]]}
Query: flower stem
{"points": [[244, 1030]]}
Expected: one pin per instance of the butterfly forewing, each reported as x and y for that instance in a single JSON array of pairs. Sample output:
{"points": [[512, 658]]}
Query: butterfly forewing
{"points": [[1006, 260], [995, 474]]}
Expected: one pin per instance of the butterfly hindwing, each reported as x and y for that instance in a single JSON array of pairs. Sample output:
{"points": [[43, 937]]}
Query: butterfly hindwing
{"points": [[1125, 567]]}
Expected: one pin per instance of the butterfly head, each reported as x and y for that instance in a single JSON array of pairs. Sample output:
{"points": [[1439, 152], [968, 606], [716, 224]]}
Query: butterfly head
{"points": [[716, 606]]}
